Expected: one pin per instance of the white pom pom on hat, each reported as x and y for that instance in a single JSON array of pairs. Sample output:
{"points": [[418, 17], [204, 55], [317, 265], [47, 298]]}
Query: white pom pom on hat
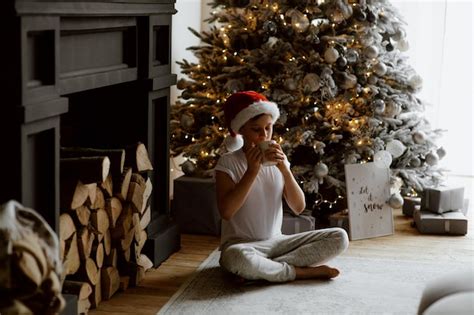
{"points": [[239, 108]]}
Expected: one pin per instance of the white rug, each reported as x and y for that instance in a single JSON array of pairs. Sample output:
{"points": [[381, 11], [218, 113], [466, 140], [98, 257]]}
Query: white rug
{"points": [[365, 286]]}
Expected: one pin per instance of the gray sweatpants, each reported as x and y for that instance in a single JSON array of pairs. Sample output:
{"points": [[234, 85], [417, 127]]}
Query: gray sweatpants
{"points": [[275, 259]]}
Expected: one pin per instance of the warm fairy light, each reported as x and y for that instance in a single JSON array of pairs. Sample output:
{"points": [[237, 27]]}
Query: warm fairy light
{"points": [[220, 128], [208, 77], [225, 58], [193, 139], [282, 16], [280, 139], [360, 142], [235, 53], [275, 7]]}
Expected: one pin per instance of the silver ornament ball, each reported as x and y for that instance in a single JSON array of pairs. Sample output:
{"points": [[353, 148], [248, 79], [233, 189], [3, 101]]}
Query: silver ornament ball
{"points": [[441, 152], [321, 170], [396, 148], [395, 201], [431, 159], [188, 167], [330, 55], [419, 137]]}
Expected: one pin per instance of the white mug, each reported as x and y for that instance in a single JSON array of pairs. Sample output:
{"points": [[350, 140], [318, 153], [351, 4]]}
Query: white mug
{"points": [[264, 145]]}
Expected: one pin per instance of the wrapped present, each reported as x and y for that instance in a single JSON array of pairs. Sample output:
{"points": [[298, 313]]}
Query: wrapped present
{"points": [[453, 222], [293, 224], [194, 205], [465, 207], [442, 199], [410, 204], [340, 219]]}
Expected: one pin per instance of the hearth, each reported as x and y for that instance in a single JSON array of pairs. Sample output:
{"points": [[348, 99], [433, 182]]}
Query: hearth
{"points": [[92, 74]]}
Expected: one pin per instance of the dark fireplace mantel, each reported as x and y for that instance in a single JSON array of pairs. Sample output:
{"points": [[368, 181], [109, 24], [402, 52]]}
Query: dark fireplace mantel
{"points": [[68, 64]]}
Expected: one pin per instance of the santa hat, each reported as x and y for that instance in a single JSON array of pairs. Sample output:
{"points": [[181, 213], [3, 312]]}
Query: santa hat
{"points": [[239, 108]]}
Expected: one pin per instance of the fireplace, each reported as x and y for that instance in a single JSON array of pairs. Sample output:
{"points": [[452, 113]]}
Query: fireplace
{"points": [[92, 74]]}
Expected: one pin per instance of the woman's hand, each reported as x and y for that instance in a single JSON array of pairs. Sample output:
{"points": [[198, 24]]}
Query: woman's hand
{"points": [[275, 153]]}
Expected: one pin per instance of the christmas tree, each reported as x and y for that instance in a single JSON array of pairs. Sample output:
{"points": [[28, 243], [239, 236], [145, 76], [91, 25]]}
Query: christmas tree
{"points": [[337, 70]]}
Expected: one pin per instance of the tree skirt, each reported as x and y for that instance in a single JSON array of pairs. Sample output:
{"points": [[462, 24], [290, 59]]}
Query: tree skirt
{"points": [[365, 286]]}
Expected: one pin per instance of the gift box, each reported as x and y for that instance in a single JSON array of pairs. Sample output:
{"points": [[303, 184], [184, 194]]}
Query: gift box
{"points": [[340, 219], [293, 224], [453, 222], [442, 199], [194, 205], [410, 204], [465, 207]]}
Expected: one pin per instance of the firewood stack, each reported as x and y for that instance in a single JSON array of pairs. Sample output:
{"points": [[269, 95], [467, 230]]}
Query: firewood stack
{"points": [[29, 263], [104, 212]]}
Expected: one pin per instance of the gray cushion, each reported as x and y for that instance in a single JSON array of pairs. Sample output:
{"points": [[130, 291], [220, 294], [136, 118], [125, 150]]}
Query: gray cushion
{"points": [[449, 284], [458, 303]]}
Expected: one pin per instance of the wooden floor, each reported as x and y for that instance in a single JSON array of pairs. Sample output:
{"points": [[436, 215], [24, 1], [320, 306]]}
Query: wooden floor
{"points": [[161, 283]]}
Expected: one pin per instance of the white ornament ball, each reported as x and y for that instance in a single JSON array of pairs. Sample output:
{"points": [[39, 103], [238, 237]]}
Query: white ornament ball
{"points": [[330, 55], [441, 152], [311, 82], [371, 52], [419, 137], [396, 148], [383, 159], [415, 81], [351, 159], [380, 69], [431, 158], [320, 170], [399, 34], [395, 201], [350, 81]]}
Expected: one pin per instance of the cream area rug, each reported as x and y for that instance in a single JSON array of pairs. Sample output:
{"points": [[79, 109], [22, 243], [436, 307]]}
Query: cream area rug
{"points": [[365, 286]]}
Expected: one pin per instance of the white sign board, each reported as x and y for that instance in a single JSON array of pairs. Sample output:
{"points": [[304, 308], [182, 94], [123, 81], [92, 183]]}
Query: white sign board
{"points": [[368, 190]]}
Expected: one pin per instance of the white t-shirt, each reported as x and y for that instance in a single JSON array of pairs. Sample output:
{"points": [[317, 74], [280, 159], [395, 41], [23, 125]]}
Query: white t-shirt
{"points": [[261, 215]]}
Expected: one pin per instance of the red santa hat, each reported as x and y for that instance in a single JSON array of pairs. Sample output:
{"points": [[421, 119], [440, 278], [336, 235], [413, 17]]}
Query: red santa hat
{"points": [[239, 108]]}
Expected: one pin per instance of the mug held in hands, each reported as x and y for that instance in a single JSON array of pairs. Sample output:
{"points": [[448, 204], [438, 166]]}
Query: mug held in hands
{"points": [[264, 145]]}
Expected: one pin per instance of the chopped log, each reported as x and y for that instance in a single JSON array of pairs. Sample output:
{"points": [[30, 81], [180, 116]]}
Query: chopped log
{"points": [[83, 306], [116, 156], [124, 282], [73, 193], [84, 242], [144, 261], [98, 254], [62, 247], [83, 215], [71, 261], [141, 243], [123, 224], [126, 242], [66, 226], [136, 191], [88, 271], [100, 221], [112, 258], [17, 307], [52, 283], [89, 170], [125, 254], [136, 226], [92, 192], [79, 288], [99, 199], [122, 183], [146, 218], [137, 274], [113, 206], [110, 282], [137, 157], [108, 186], [96, 297], [107, 242], [146, 194]]}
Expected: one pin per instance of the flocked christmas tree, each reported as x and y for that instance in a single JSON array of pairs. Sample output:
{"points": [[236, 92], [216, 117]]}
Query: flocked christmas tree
{"points": [[337, 70]]}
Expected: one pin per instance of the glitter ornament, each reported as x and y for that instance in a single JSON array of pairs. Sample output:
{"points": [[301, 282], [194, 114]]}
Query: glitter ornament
{"points": [[299, 21], [415, 81], [330, 55], [415, 162], [351, 56], [187, 120], [441, 152], [383, 159], [311, 82], [396, 148], [270, 27], [188, 167], [419, 137], [380, 69], [341, 62], [395, 201], [431, 159], [371, 52]]}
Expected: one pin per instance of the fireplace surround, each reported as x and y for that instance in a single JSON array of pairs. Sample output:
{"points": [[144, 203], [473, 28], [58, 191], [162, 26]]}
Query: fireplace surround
{"points": [[85, 73]]}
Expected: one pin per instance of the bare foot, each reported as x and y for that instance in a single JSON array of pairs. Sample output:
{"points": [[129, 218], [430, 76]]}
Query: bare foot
{"points": [[319, 272]]}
